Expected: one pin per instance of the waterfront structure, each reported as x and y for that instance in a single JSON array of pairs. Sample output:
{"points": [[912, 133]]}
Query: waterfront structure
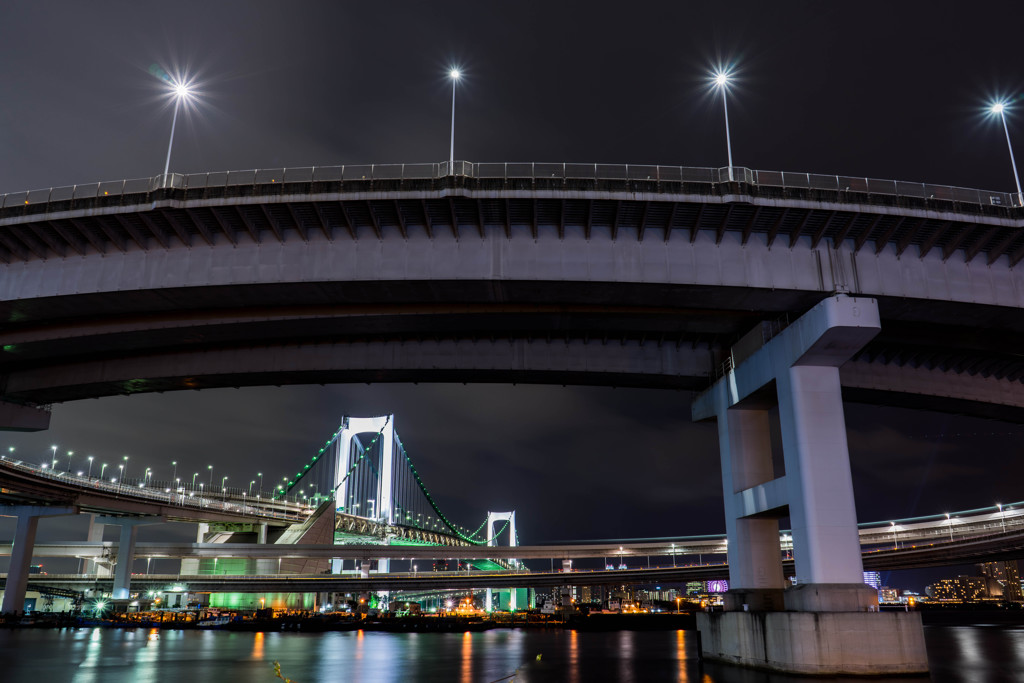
{"points": [[824, 623]]}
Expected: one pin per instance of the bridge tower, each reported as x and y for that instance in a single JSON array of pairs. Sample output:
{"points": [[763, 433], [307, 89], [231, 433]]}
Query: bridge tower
{"points": [[344, 489], [828, 623], [492, 539]]}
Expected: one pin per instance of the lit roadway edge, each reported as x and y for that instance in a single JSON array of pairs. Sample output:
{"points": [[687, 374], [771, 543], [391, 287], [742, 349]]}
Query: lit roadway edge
{"points": [[995, 535], [1002, 521]]}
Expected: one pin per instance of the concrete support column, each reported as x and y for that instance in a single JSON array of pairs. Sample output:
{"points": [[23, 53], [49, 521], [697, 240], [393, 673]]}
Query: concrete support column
{"points": [[21, 560], [125, 559], [95, 535], [755, 562], [126, 550], [21, 553], [819, 484], [190, 565]]}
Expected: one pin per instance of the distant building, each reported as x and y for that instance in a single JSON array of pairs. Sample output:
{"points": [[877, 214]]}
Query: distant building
{"points": [[960, 589], [873, 579], [1003, 579], [593, 594], [888, 595]]}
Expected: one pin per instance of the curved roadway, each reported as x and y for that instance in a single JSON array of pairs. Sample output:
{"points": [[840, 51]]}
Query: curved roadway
{"points": [[559, 273]]}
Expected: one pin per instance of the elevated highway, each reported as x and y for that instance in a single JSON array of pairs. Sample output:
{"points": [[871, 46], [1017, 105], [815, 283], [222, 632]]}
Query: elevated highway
{"points": [[22, 483], [552, 273], [969, 536]]}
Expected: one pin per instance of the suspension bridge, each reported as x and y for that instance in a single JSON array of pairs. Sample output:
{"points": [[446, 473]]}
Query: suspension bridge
{"points": [[360, 488]]}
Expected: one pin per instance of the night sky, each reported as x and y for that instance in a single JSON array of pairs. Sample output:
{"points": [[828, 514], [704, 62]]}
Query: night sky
{"points": [[879, 89]]}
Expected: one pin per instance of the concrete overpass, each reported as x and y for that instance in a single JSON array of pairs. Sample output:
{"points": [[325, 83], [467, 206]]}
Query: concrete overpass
{"points": [[560, 273]]}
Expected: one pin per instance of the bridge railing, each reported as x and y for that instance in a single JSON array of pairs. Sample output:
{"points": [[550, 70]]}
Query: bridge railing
{"points": [[849, 187]]}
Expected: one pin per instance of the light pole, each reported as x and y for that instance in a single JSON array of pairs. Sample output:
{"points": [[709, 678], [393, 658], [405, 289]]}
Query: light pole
{"points": [[948, 519], [90, 467], [102, 469], [250, 486], [210, 467], [260, 475], [721, 80], [181, 94], [1002, 517], [70, 453], [194, 480], [455, 75], [895, 541], [999, 109], [148, 475], [174, 474], [124, 469], [222, 489], [120, 476], [53, 459]]}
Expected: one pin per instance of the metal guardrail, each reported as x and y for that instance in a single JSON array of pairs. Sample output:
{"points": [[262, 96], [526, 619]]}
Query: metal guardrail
{"points": [[516, 171]]}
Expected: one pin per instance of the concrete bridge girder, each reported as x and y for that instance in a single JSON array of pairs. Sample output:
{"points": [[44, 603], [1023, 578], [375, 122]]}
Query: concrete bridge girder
{"points": [[715, 285]]}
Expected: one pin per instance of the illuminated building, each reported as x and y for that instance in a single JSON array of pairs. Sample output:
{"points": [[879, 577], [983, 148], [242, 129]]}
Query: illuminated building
{"points": [[1004, 579], [960, 589]]}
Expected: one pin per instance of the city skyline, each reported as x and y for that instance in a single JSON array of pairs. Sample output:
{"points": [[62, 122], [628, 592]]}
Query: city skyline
{"points": [[627, 462]]}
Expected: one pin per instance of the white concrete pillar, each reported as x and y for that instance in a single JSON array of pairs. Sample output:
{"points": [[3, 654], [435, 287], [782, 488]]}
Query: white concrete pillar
{"points": [[190, 565], [21, 553], [125, 559], [826, 548], [745, 446], [21, 560], [95, 535]]}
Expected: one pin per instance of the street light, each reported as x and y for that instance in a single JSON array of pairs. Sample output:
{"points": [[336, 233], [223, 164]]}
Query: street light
{"points": [[721, 78], [210, 467], [124, 469], [999, 109], [455, 75], [70, 453], [53, 460], [260, 475], [174, 474], [250, 486], [181, 92], [1002, 517], [948, 519], [102, 470], [194, 480], [121, 473], [895, 541], [90, 467]]}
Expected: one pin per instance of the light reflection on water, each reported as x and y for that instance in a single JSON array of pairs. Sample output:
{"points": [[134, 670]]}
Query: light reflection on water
{"points": [[963, 653]]}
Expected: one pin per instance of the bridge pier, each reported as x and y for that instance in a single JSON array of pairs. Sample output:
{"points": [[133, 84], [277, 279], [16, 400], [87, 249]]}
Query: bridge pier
{"points": [[21, 553], [830, 624], [125, 550]]}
